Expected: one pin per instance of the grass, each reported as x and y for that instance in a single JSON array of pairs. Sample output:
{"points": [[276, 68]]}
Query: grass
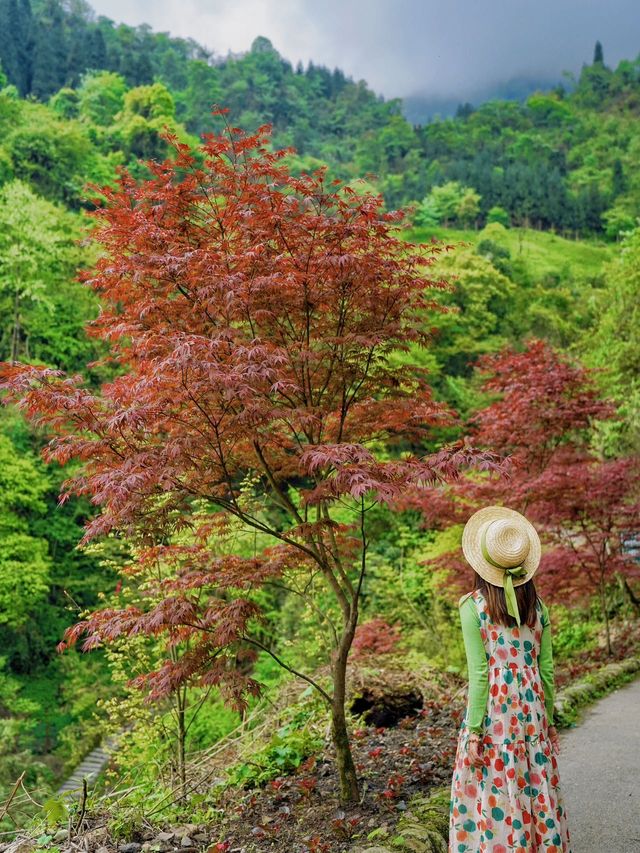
{"points": [[572, 701], [543, 251]]}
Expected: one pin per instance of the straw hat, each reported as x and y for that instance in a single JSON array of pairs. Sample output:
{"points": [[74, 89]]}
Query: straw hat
{"points": [[496, 539]]}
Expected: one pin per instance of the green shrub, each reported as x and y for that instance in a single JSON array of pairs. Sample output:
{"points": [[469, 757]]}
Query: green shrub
{"points": [[284, 753], [571, 634]]}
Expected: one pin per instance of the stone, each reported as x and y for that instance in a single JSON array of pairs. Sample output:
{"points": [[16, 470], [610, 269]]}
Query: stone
{"points": [[130, 847], [20, 845], [159, 844], [93, 839], [186, 841]]}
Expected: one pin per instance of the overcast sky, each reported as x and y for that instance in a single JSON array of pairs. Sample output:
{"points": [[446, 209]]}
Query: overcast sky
{"points": [[405, 47]]}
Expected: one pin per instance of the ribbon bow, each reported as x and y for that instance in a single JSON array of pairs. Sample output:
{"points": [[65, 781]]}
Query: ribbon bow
{"points": [[509, 574]]}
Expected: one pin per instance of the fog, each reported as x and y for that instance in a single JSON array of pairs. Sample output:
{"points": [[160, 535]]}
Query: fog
{"points": [[451, 49]]}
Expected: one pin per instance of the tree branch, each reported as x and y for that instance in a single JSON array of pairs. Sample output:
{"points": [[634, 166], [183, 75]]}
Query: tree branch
{"points": [[290, 669]]}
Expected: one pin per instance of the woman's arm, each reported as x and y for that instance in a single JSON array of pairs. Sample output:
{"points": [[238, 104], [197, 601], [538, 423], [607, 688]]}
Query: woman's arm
{"points": [[545, 663], [476, 665]]}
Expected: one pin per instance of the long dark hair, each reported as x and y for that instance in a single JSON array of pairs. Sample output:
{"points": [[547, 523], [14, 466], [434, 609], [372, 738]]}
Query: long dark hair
{"points": [[526, 596]]}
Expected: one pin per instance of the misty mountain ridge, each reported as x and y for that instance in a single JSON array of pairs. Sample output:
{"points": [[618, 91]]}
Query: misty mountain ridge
{"points": [[110, 90], [422, 107], [47, 45]]}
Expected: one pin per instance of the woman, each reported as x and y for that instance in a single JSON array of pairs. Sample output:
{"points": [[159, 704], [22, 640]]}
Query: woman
{"points": [[505, 793]]}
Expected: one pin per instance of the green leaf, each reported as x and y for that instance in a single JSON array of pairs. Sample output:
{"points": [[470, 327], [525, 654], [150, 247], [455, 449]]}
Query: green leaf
{"points": [[55, 811]]}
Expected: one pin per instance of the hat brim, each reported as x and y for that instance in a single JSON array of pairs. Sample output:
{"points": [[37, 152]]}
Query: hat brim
{"points": [[472, 548]]}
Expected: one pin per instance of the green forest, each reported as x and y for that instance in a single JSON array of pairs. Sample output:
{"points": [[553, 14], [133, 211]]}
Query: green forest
{"points": [[529, 211]]}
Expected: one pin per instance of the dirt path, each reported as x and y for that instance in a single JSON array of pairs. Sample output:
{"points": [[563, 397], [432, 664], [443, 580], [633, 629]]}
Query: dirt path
{"points": [[600, 775]]}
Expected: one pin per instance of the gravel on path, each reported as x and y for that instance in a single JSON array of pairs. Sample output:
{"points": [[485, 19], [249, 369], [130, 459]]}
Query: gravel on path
{"points": [[600, 775]]}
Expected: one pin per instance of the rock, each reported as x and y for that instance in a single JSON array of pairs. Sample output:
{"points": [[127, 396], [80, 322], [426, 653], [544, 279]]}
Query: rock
{"points": [[130, 847], [187, 828], [186, 841], [160, 843], [200, 836], [20, 845], [93, 839]]}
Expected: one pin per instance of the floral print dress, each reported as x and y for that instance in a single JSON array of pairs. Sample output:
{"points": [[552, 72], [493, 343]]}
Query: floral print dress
{"points": [[512, 804]]}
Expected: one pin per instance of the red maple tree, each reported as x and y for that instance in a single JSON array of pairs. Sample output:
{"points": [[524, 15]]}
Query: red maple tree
{"points": [[589, 514], [542, 419], [541, 416], [254, 317]]}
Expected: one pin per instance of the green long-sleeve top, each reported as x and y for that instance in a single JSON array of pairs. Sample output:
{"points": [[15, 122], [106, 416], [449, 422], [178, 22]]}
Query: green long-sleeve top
{"points": [[477, 664]]}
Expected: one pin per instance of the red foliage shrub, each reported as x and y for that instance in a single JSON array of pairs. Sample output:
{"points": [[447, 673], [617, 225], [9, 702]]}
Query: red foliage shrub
{"points": [[375, 637]]}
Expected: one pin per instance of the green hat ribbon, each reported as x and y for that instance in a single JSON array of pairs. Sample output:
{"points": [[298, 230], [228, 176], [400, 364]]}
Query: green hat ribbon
{"points": [[509, 575]]}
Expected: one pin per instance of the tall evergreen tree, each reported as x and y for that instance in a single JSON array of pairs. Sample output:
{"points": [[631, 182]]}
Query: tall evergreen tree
{"points": [[16, 42], [77, 59], [598, 54], [97, 59], [618, 178], [50, 52]]}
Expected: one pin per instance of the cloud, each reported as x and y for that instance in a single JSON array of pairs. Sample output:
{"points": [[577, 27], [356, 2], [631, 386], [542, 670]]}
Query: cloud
{"points": [[403, 47]]}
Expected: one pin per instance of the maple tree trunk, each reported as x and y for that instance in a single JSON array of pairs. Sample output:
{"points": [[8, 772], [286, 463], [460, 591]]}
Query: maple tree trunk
{"points": [[182, 738], [15, 332], [347, 778], [603, 605], [629, 593]]}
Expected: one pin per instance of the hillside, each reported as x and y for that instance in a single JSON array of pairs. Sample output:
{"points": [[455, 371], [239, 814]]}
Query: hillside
{"points": [[539, 202], [558, 160]]}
